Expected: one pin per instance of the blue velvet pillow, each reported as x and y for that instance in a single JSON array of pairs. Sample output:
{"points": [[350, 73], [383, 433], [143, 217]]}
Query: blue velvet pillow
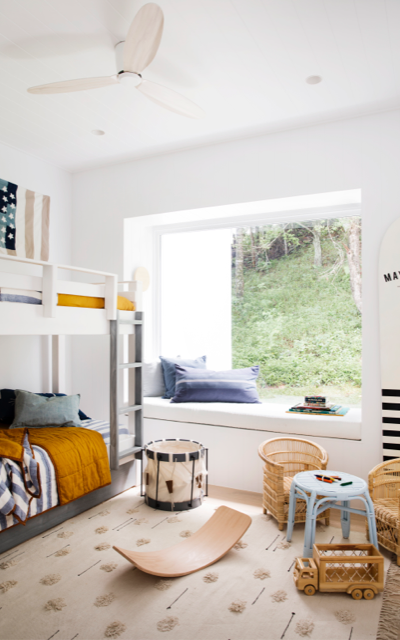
{"points": [[169, 374], [7, 405], [236, 385]]}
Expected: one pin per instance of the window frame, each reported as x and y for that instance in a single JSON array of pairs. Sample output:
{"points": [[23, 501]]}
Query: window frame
{"points": [[243, 220]]}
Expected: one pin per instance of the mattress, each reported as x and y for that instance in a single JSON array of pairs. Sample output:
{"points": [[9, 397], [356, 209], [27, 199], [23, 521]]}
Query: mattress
{"points": [[20, 295], [64, 299], [49, 496]]}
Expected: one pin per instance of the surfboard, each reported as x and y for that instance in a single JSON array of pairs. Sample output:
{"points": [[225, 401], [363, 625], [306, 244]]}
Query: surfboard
{"points": [[389, 321]]}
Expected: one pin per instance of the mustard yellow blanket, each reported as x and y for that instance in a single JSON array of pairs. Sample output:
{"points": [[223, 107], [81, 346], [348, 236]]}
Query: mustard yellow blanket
{"points": [[11, 444], [79, 457]]}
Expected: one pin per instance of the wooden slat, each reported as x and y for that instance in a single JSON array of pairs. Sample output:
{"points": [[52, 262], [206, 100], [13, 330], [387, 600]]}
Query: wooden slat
{"points": [[114, 435], [130, 365], [49, 299], [128, 409], [17, 281], [139, 379]]}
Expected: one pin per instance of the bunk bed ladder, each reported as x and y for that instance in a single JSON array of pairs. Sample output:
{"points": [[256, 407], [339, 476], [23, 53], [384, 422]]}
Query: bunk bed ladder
{"points": [[134, 408]]}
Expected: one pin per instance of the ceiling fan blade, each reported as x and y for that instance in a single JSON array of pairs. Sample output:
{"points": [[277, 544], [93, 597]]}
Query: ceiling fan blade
{"points": [[68, 86], [144, 37], [170, 99]]}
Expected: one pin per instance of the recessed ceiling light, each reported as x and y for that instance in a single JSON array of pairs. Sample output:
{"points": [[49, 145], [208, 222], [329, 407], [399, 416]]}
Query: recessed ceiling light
{"points": [[313, 79], [98, 132]]}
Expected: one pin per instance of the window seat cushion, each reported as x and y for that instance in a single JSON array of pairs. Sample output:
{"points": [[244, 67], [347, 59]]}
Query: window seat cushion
{"points": [[266, 416]]}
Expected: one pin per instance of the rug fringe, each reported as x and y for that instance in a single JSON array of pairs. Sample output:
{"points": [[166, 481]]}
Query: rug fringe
{"points": [[389, 620]]}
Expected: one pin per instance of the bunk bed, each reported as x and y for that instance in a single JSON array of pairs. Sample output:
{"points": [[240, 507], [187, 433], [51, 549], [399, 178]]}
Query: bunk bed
{"points": [[37, 311]]}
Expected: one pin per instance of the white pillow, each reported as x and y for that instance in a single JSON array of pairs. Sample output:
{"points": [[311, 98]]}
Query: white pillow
{"points": [[152, 378]]}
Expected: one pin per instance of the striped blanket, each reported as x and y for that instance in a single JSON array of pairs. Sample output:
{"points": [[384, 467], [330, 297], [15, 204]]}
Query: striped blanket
{"points": [[12, 480], [19, 483]]}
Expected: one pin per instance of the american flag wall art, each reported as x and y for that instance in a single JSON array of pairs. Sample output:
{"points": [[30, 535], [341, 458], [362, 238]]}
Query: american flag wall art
{"points": [[24, 222]]}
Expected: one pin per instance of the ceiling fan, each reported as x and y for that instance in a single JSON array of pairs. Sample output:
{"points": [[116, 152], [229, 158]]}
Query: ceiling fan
{"points": [[133, 56]]}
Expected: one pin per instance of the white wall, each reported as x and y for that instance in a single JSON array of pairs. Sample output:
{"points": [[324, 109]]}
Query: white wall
{"points": [[350, 154], [24, 359]]}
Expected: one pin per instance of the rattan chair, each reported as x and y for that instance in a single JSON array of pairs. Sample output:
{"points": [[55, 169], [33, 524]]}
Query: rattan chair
{"points": [[384, 489], [284, 457]]}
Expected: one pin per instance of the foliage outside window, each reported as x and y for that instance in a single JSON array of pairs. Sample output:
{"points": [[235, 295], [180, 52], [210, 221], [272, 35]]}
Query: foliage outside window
{"points": [[297, 305]]}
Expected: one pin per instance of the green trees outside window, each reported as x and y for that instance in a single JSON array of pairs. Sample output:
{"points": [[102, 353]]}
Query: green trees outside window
{"points": [[297, 306]]}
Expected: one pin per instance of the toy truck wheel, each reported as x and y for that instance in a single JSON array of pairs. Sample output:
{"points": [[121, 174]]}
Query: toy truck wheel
{"points": [[309, 590], [369, 594], [357, 594]]}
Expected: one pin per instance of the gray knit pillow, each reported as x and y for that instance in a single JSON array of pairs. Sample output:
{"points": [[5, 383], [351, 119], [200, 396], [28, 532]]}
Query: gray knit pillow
{"points": [[36, 411]]}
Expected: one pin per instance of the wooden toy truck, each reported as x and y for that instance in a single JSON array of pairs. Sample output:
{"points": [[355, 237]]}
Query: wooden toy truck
{"points": [[354, 568]]}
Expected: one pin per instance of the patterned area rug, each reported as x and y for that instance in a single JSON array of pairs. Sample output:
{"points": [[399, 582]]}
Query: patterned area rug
{"points": [[69, 584], [389, 621]]}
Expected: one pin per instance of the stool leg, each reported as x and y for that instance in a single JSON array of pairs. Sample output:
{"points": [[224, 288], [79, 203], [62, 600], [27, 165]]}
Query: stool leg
{"points": [[292, 511], [345, 520], [313, 527], [310, 527], [373, 538]]}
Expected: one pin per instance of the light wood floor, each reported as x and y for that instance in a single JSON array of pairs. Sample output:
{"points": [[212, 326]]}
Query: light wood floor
{"points": [[251, 503]]}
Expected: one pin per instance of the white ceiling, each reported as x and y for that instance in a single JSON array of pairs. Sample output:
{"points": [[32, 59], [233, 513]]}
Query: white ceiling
{"points": [[244, 61]]}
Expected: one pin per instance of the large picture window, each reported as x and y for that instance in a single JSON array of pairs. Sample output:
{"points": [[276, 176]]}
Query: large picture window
{"points": [[286, 296]]}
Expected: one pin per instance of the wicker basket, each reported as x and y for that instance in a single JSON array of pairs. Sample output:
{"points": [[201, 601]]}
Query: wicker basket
{"points": [[384, 489], [284, 457]]}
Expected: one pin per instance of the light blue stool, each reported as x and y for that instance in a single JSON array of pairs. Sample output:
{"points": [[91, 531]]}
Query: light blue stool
{"points": [[306, 486]]}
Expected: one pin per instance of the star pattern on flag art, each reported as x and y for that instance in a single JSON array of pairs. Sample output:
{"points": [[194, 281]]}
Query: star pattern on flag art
{"points": [[7, 229], [24, 222]]}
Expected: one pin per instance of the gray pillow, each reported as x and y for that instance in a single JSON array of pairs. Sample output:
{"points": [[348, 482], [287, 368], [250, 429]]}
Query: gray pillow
{"points": [[36, 411], [153, 381]]}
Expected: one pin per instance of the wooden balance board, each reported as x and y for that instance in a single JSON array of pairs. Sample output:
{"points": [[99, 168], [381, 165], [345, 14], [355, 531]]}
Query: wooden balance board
{"points": [[208, 545], [389, 324]]}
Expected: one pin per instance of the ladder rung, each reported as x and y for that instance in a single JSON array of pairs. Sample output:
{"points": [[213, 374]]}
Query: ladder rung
{"points": [[130, 321], [130, 365], [133, 407], [129, 452]]}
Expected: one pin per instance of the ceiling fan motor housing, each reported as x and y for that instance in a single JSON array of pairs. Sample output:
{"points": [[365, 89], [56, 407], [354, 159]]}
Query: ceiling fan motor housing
{"points": [[125, 77]]}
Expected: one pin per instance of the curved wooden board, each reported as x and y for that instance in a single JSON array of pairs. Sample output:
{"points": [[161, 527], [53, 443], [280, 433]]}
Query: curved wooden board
{"points": [[208, 545]]}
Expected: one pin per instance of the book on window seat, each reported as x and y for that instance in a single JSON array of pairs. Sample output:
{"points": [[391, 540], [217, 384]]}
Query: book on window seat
{"points": [[328, 408], [312, 407], [334, 410]]}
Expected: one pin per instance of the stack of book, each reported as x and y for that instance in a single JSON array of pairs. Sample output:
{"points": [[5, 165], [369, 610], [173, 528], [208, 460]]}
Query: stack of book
{"points": [[318, 405]]}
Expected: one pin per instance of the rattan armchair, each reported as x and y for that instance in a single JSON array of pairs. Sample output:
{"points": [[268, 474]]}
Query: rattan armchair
{"points": [[284, 457], [384, 489]]}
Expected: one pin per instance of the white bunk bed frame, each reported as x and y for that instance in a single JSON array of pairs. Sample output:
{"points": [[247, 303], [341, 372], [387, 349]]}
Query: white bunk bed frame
{"points": [[55, 321]]}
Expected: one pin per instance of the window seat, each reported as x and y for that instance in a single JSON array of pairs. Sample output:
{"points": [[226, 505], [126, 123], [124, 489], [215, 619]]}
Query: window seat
{"points": [[233, 432], [268, 417]]}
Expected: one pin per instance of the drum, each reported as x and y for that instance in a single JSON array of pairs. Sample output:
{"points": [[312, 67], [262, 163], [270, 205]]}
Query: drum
{"points": [[176, 474]]}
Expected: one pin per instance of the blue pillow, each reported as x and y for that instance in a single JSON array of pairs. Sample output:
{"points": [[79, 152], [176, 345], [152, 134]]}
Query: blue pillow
{"points": [[236, 385], [168, 368], [7, 405]]}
